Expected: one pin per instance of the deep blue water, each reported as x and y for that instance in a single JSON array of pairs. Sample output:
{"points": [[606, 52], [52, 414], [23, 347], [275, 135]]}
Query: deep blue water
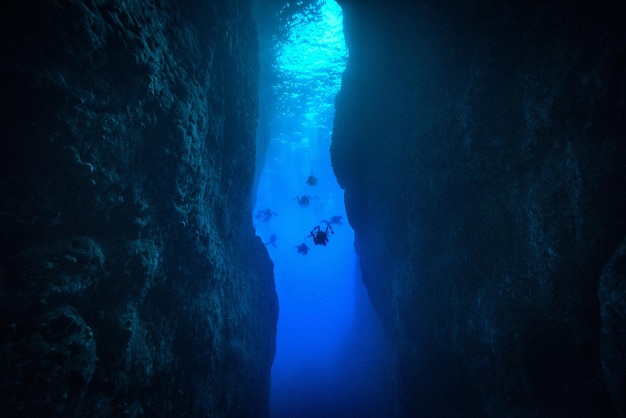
{"points": [[330, 347]]}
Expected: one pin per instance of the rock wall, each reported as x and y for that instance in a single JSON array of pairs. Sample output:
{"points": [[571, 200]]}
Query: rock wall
{"points": [[482, 149], [131, 281]]}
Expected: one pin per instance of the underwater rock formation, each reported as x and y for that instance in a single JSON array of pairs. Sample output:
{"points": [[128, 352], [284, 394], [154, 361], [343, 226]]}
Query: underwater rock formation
{"points": [[132, 283], [482, 151]]}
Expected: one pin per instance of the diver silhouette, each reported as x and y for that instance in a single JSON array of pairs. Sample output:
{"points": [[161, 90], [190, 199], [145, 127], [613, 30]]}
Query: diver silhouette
{"points": [[272, 240], [311, 181], [302, 248], [304, 201], [320, 237], [265, 215], [335, 220]]}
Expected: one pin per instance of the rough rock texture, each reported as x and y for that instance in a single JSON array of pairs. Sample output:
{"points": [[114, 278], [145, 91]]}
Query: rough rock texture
{"points": [[131, 282], [482, 148]]}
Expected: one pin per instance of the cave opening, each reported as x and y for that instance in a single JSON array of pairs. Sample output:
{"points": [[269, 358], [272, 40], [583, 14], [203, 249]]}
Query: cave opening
{"points": [[330, 349]]}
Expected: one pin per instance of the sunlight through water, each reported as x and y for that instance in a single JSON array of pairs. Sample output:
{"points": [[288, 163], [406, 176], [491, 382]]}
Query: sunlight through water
{"points": [[310, 64], [315, 371]]}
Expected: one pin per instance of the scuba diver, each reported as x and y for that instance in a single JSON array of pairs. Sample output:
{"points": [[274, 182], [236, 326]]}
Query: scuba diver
{"points": [[265, 215], [320, 237], [335, 220], [272, 241], [304, 201], [302, 248], [311, 181]]}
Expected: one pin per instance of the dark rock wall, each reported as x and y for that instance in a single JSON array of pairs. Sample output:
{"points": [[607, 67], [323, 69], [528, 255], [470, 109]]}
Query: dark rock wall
{"points": [[131, 281], [482, 148]]}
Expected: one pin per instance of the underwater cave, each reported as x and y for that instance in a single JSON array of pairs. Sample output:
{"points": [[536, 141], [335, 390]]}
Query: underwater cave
{"points": [[262, 208], [330, 348]]}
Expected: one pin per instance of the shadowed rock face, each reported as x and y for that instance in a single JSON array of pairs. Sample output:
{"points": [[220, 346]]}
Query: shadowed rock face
{"points": [[131, 282], [482, 151]]}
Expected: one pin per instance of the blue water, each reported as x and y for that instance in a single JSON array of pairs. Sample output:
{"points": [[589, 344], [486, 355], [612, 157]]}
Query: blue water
{"points": [[330, 352]]}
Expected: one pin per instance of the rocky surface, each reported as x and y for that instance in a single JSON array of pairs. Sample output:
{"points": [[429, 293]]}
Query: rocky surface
{"points": [[131, 281], [482, 148]]}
